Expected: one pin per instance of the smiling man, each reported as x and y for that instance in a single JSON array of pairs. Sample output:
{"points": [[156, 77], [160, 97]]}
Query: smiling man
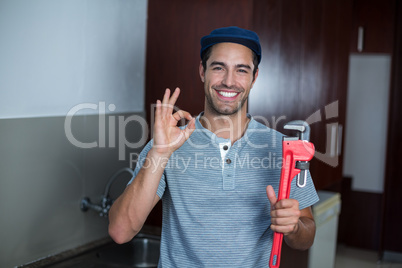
{"points": [[220, 210], [227, 78]]}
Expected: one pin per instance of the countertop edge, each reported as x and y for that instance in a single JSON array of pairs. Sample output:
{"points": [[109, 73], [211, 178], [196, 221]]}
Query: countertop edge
{"points": [[65, 255]]}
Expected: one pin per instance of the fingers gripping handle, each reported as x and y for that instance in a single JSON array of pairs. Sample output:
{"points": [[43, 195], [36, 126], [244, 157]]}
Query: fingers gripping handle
{"points": [[293, 150]]}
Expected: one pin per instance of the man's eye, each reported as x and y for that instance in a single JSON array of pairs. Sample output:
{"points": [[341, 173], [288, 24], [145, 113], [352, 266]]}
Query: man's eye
{"points": [[217, 68], [243, 71]]}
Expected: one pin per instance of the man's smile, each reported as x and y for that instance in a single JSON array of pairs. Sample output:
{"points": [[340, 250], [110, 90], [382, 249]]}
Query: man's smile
{"points": [[228, 94]]}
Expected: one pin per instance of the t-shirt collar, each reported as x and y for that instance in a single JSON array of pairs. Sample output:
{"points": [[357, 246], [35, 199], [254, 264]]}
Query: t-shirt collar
{"points": [[212, 136]]}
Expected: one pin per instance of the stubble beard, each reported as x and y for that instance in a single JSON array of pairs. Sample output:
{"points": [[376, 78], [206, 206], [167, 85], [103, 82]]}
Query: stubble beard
{"points": [[216, 110]]}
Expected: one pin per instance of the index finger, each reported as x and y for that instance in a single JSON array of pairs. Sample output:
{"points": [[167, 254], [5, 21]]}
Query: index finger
{"points": [[173, 99], [182, 114]]}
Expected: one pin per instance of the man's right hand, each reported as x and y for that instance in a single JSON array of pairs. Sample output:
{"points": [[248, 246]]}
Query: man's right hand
{"points": [[168, 137]]}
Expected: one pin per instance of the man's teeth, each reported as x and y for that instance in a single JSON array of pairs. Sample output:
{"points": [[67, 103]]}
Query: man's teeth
{"points": [[228, 94]]}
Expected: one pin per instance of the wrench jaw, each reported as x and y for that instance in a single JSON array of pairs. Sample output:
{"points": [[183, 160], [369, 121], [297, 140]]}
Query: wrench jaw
{"points": [[303, 133], [302, 128]]}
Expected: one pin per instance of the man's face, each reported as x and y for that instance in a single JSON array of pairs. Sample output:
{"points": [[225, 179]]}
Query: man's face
{"points": [[228, 78]]}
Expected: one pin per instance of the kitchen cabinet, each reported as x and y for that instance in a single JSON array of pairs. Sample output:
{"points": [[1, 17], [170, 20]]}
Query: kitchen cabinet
{"points": [[373, 26], [303, 74]]}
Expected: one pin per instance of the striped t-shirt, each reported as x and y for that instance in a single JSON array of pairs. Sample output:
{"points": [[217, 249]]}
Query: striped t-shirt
{"points": [[215, 208]]}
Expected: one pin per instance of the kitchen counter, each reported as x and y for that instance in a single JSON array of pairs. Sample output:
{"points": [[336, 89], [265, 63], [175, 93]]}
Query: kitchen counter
{"points": [[105, 253]]}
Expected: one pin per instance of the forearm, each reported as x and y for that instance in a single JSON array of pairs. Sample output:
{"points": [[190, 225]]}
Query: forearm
{"points": [[303, 236], [131, 209]]}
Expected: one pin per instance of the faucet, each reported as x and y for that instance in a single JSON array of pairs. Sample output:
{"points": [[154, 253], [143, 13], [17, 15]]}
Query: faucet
{"points": [[106, 201]]}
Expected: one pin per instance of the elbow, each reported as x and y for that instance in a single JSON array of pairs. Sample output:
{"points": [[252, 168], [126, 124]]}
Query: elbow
{"points": [[305, 246], [119, 236], [114, 234], [122, 226]]}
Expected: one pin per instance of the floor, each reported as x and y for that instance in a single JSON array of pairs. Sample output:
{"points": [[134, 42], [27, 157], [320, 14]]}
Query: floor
{"points": [[348, 257]]}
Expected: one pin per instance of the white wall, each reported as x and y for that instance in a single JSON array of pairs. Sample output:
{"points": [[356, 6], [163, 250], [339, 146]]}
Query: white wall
{"points": [[56, 54], [367, 121]]}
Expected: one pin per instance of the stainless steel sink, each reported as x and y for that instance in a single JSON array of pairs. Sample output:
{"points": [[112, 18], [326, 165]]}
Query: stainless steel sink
{"points": [[142, 251]]}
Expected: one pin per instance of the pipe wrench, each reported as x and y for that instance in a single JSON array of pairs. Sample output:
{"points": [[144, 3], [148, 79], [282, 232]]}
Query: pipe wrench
{"points": [[296, 152]]}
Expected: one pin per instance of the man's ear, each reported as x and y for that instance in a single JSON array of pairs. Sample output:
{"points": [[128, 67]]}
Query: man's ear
{"points": [[202, 72], [255, 77]]}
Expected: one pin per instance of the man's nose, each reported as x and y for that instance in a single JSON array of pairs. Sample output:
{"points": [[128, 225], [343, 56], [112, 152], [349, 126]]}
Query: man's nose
{"points": [[229, 79]]}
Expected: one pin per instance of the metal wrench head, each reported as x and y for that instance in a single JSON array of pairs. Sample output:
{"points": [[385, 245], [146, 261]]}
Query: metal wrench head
{"points": [[302, 127]]}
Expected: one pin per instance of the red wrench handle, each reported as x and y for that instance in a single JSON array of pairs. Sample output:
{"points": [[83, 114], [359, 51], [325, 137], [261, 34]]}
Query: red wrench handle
{"points": [[276, 250], [292, 151]]}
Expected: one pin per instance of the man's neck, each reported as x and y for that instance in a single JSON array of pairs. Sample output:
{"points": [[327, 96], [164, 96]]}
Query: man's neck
{"points": [[226, 126]]}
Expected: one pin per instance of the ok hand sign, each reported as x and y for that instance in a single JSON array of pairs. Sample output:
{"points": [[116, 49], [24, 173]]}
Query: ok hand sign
{"points": [[168, 137]]}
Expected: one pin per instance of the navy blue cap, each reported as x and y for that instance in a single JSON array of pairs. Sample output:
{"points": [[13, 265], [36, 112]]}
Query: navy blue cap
{"points": [[232, 34]]}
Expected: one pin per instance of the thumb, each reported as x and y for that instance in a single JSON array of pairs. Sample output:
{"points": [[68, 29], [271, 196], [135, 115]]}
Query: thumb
{"points": [[271, 195]]}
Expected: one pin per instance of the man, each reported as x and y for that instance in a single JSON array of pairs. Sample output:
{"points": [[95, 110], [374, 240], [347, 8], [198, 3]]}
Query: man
{"points": [[216, 176]]}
